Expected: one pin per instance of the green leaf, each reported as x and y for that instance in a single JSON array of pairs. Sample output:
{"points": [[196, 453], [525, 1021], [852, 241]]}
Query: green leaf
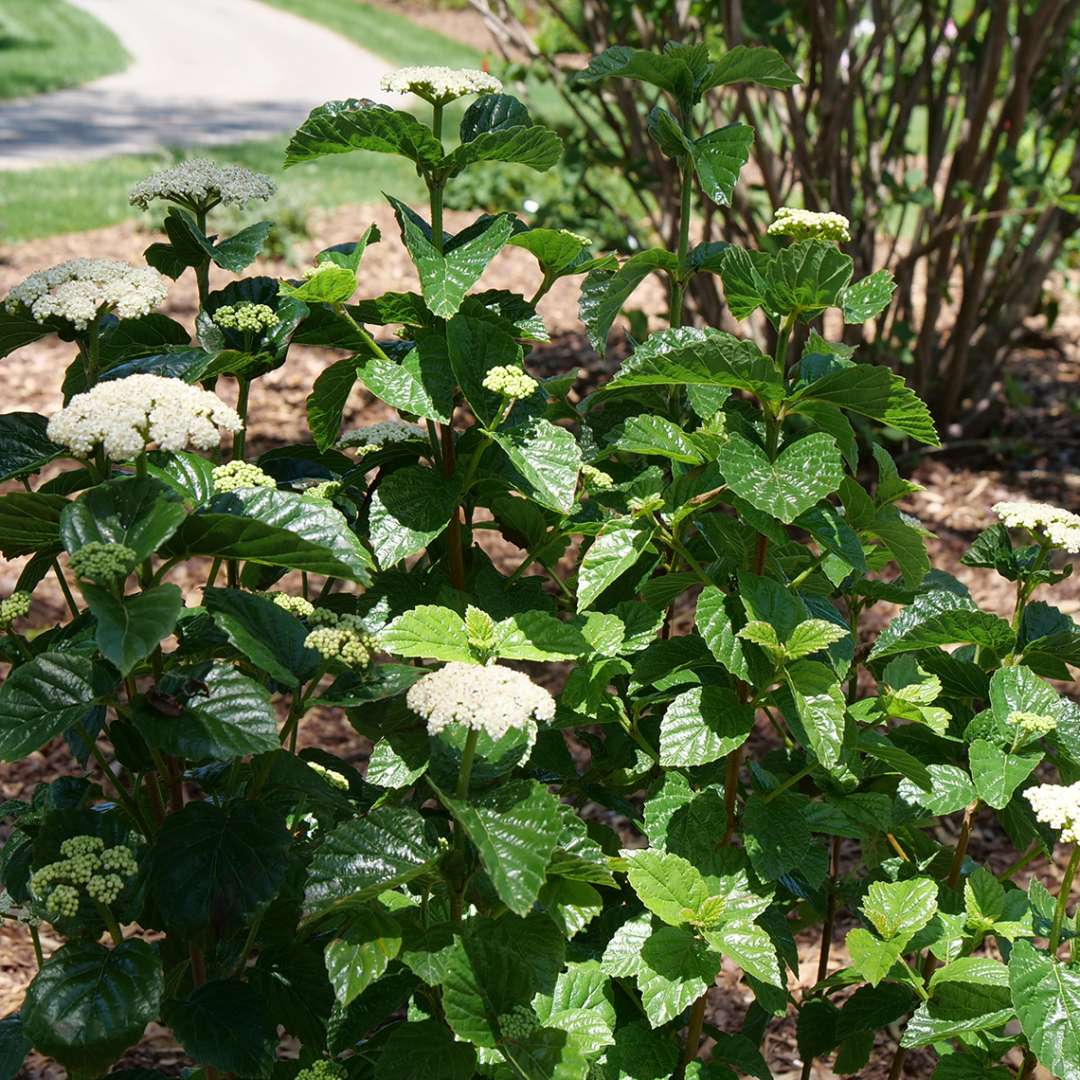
{"points": [[688, 356], [777, 834], [664, 70], [868, 297], [30, 522], [998, 774], [872, 390], [233, 717], [361, 951], [676, 969], [805, 472], [88, 1004], [718, 159], [425, 1049], [958, 1008], [538, 635], [942, 617], [746, 282], [363, 858], [14, 1046], [806, 278], [276, 528], [898, 910], [43, 697], [819, 704], [189, 246], [214, 863], [715, 626], [474, 346], [327, 400], [948, 789], [702, 725], [18, 328], [532, 145], [743, 64], [556, 250], [428, 631], [871, 957], [24, 446], [655, 435], [410, 508], [603, 293], [131, 627], [224, 1024], [812, 636], [139, 512], [515, 829], [617, 548], [272, 639], [750, 946], [547, 458], [445, 277], [1046, 996], [668, 885], [328, 284], [339, 127]]}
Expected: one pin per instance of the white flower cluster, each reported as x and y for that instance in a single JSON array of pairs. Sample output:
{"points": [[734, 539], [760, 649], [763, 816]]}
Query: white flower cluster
{"points": [[595, 478], [1058, 806], [486, 697], [439, 85], [383, 433], [294, 605], [1058, 527], [331, 776], [247, 318], [200, 182], [79, 289], [126, 415], [510, 381], [14, 607], [235, 475], [88, 865], [807, 224]]}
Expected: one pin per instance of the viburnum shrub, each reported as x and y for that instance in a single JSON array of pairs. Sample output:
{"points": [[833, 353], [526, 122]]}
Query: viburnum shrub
{"points": [[634, 737]]}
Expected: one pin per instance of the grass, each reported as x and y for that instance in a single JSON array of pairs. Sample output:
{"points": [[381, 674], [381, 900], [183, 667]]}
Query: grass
{"points": [[49, 44]]}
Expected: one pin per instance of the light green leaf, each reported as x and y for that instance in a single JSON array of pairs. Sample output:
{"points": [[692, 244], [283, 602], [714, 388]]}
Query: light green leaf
{"points": [[676, 969], [617, 548], [868, 297], [428, 631], [811, 636], [715, 626], [819, 703], [718, 159], [871, 957], [805, 472], [668, 885], [421, 383], [750, 946], [361, 952], [1046, 996], [622, 956], [745, 64], [547, 458], [702, 725], [998, 774], [656, 436]]}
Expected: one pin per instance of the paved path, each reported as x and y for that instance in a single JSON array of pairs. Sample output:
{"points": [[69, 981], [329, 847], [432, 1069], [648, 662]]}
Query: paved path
{"points": [[204, 71]]}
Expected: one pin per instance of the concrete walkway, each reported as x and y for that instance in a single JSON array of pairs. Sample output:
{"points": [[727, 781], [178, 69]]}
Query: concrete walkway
{"points": [[204, 71]]}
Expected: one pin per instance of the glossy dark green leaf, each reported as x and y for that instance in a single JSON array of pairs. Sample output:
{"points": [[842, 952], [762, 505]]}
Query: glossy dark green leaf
{"points": [[806, 278], [547, 458], [1046, 996], [421, 383], [14, 1046], [88, 1004], [744, 64], [604, 293], [718, 159], [361, 951], [656, 436], [942, 617], [24, 446], [131, 627], [29, 522], [474, 346], [425, 1050], [409, 509], [224, 1024], [17, 328], [214, 863], [327, 400], [42, 698], [702, 725], [533, 145]]}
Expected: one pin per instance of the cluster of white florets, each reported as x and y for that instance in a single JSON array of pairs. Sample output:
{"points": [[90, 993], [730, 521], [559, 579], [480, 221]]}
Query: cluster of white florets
{"points": [[200, 182], [809, 224], [510, 381], [86, 865], [486, 697], [14, 607], [1058, 806], [78, 290], [331, 776], [246, 317], [294, 605], [439, 85], [234, 475], [103, 562], [340, 637], [127, 415], [384, 433], [595, 478], [1058, 527]]}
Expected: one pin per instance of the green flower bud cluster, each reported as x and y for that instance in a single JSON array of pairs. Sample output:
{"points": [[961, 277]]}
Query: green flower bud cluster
{"points": [[321, 1070], [331, 776], [294, 605], [14, 607], [340, 637], [324, 490], [1033, 724], [87, 865], [596, 479], [240, 474], [519, 1023], [104, 563], [510, 381], [246, 317]]}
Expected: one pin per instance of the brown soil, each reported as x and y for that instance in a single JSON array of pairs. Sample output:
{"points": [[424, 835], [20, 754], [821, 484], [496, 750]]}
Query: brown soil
{"points": [[955, 505]]}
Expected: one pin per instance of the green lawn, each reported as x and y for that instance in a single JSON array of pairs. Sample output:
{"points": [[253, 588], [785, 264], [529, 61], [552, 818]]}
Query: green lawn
{"points": [[48, 44]]}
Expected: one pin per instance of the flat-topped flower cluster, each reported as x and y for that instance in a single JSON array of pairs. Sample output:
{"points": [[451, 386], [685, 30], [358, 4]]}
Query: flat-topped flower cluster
{"points": [[1059, 528], [202, 182], [440, 84]]}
